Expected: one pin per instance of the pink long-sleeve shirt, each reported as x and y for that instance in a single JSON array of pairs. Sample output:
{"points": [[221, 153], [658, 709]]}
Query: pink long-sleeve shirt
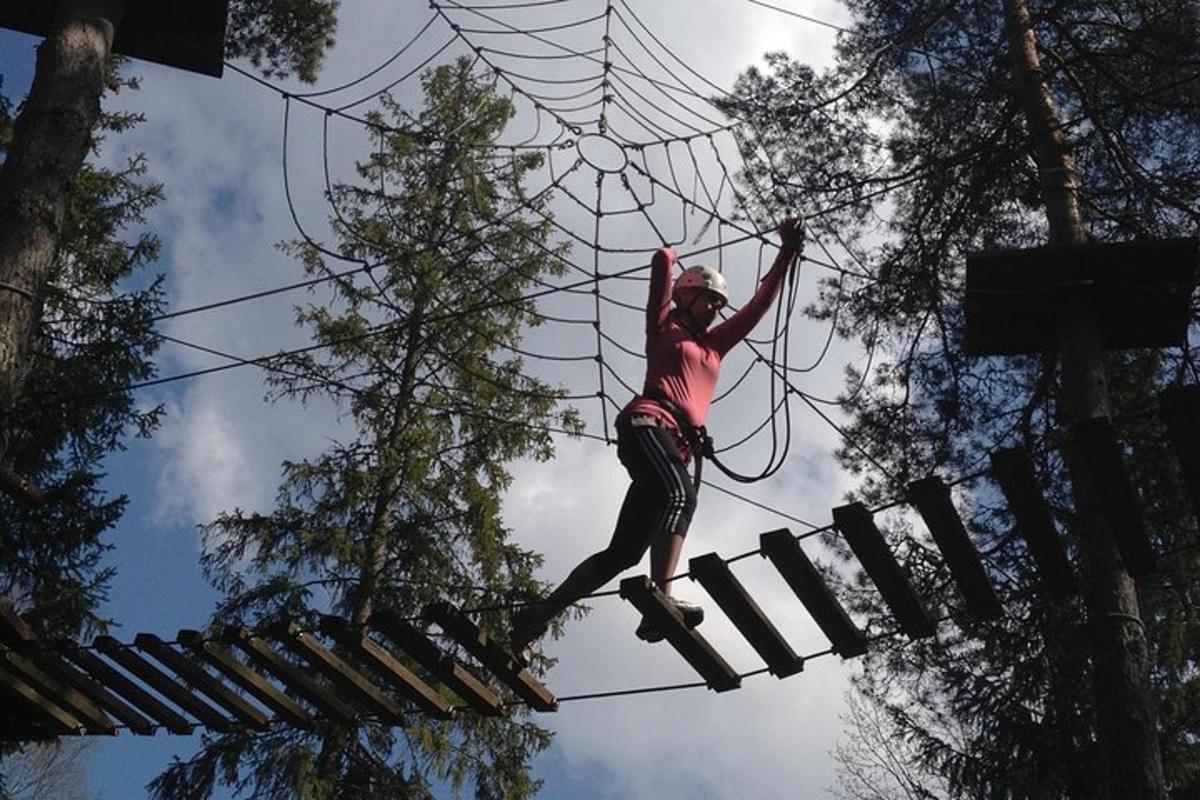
{"points": [[684, 365]]}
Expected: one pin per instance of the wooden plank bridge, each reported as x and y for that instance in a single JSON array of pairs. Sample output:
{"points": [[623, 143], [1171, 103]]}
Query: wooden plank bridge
{"points": [[394, 668]]}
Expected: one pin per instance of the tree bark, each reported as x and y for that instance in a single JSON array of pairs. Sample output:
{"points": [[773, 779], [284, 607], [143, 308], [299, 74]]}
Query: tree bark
{"points": [[395, 476], [51, 137], [1132, 764]]}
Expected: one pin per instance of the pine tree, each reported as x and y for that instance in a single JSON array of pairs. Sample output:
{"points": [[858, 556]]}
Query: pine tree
{"points": [[92, 338], [923, 104], [406, 510], [53, 134]]}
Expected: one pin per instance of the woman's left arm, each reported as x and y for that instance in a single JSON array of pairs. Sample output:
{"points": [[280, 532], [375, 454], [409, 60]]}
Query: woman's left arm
{"points": [[724, 336]]}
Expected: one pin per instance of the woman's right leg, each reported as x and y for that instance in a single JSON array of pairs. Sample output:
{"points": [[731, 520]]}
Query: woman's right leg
{"points": [[657, 508], [641, 513]]}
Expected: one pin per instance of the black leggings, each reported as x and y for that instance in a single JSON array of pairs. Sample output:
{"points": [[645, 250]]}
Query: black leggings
{"points": [[661, 497]]}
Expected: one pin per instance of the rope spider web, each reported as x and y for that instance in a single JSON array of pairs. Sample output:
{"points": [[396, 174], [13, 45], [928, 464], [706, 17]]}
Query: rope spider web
{"points": [[634, 157]]}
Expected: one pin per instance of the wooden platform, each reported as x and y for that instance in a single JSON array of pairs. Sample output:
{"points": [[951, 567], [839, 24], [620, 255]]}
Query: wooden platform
{"points": [[185, 34], [1013, 470], [1140, 292], [1097, 442], [931, 497], [781, 547], [1180, 408], [857, 526]]}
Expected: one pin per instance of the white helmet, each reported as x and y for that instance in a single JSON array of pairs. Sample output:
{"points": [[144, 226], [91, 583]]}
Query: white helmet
{"points": [[705, 278]]}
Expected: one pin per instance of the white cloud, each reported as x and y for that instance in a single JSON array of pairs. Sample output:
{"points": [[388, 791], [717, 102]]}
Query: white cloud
{"points": [[204, 468]]}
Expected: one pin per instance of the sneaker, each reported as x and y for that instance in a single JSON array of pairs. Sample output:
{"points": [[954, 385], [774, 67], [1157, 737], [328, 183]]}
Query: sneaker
{"points": [[647, 631], [692, 615]]}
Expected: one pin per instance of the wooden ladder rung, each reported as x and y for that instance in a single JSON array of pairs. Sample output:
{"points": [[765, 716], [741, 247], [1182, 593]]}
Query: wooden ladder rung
{"points": [[255, 684], [194, 675], [162, 683], [63, 695], [695, 649], [300, 682], [344, 677], [474, 692], [115, 681], [1013, 470], [1097, 442], [856, 525], [719, 581], [81, 693], [931, 497], [58, 718], [1180, 410], [368, 651], [503, 664], [781, 547], [101, 696]]}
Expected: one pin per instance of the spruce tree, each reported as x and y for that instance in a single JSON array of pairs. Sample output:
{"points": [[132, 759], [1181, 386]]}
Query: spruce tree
{"points": [[406, 508], [92, 338], [52, 135], [915, 151]]}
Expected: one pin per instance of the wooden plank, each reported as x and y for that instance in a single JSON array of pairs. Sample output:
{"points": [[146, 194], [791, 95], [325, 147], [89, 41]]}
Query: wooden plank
{"points": [[1097, 442], [198, 679], [781, 547], [60, 720], [867, 542], [293, 677], [1140, 291], [1013, 470], [1180, 410], [695, 649], [110, 702], [351, 682], [400, 677], [719, 581], [491, 655], [474, 692], [185, 34], [129, 690], [931, 497], [220, 659], [79, 705], [162, 683]]}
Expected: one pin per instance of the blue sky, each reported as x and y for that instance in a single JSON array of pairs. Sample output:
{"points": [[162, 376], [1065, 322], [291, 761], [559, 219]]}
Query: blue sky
{"points": [[215, 144]]}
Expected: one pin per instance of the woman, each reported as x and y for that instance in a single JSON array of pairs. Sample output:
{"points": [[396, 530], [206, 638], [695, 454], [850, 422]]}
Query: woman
{"points": [[683, 361]]}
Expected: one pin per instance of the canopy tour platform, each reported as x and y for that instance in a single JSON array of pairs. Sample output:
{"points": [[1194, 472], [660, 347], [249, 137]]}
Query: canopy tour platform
{"points": [[1140, 293], [185, 34], [394, 667]]}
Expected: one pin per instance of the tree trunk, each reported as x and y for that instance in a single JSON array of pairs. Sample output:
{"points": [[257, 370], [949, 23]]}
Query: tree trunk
{"points": [[394, 477], [1131, 767], [51, 138]]}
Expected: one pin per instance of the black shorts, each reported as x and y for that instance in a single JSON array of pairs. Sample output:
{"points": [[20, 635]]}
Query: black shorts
{"points": [[661, 497]]}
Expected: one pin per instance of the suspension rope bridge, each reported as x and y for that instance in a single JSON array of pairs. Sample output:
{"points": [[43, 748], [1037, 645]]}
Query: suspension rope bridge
{"points": [[62, 688]]}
